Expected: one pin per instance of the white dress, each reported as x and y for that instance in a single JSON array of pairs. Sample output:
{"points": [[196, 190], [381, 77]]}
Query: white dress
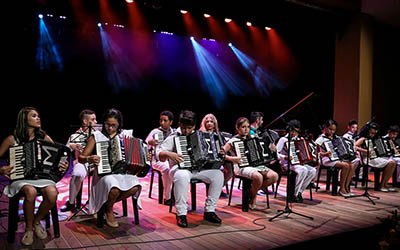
{"points": [[15, 186], [102, 184]]}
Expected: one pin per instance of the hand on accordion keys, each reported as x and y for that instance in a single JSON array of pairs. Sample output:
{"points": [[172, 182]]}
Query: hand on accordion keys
{"points": [[7, 171], [63, 166], [236, 159]]}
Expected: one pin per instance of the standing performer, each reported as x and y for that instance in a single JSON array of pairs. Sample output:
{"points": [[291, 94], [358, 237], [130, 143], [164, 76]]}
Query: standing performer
{"points": [[346, 167], [261, 176], [76, 143], [110, 188], [28, 129], [210, 124], [378, 162], [165, 129], [305, 173], [181, 177]]}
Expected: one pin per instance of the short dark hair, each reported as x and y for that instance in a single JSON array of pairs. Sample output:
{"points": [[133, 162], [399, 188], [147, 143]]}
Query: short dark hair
{"points": [[394, 128], [352, 122], [187, 118], [329, 123], [374, 125], [169, 114], [255, 115], [294, 124], [84, 113]]}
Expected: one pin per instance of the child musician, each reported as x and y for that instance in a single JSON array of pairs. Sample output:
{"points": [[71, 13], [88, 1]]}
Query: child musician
{"points": [[165, 129], [347, 168], [261, 176], [181, 177], [392, 135], [305, 173]]}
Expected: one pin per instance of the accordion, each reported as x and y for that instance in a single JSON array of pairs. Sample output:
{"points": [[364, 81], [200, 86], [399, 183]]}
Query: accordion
{"points": [[394, 150], [302, 152], [254, 151], [123, 156], [341, 148], [200, 149], [380, 147], [38, 159]]}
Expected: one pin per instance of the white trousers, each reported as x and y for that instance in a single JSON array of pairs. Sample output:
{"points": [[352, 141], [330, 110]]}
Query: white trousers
{"points": [[397, 159], [181, 179], [163, 167], [78, 175], [305, 175]]}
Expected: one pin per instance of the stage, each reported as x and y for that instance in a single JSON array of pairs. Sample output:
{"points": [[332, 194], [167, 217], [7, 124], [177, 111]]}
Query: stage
{"points": [[335, 221]]}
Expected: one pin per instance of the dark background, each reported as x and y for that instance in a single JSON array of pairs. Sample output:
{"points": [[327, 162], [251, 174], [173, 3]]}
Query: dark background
{"points": [[308, 33]]}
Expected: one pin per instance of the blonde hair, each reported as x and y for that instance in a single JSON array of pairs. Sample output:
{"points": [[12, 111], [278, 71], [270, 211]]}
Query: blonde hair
{"points": [[203, 123]]}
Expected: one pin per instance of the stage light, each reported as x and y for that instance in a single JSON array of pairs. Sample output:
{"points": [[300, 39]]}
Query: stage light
{"points": [[248, 24], [98, 24], [230, 44], [183, 11], [129, 1], [40, 16], [192, 38], [206, 15], [267, 28], [227, 20]]}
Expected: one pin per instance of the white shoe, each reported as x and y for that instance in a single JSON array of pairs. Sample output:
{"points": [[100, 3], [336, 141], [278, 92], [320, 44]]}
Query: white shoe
{"points": [[40, 231], [344, 195], [27, 239]]}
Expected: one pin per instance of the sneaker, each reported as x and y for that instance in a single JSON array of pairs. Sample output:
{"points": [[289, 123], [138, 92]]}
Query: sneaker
{"points": [[40, 231], [384, 190], [181, 221], [344, 195], [27, 239], [212, 217], [392, 190]]}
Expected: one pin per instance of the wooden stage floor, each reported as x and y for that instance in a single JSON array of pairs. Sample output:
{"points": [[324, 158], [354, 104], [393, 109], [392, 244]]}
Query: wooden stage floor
{"points": [[333, 216]]}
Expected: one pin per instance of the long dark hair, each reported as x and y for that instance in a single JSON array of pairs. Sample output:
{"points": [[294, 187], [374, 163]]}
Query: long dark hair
{"points": [[113, 113], [21, 127]]}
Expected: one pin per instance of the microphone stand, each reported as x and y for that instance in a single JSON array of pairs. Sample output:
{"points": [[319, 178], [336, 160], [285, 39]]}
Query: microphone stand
{"points": [[88, 174], [365, 176], [287, 209]]}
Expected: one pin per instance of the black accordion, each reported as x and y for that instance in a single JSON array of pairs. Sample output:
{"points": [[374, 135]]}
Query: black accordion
{"points": [[341, 148], [38, 159], [123, 156], [381, 147], [200, 150], [254, 151]]}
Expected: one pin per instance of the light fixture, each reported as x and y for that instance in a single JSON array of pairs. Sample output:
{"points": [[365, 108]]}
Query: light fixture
{"points": [[227, 20]]}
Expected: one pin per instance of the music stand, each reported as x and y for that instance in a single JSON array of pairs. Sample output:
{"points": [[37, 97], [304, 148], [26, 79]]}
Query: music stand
{"points": [[88, 174], [287, 209], [365, 176]]}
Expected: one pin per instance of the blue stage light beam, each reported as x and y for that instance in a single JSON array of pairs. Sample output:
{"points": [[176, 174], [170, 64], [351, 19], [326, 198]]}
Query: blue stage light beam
{"points": [[120, 69], [47, 56], [217, 78], [264, 81]]}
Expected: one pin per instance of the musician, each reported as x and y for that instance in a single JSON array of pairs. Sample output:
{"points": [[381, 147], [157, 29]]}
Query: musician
{"points": [[261, 176], [166, 120], [256, 121], [181, 177], [347, 168], [27, 129], [110, 188], [305, 173], [351, 134], [209, 123], [392, 135], [76, 143]]}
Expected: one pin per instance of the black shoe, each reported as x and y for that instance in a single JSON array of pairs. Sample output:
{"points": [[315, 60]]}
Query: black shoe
{"points": [[300, 198], [168, 202], [68, 207], [223, 195], [212, 217], [181, 221]]}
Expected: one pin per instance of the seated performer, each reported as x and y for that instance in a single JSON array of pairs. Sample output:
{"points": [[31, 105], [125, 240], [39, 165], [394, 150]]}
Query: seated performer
{"points": [[261, 176], [76, 142], [347, 168], [393, 134], [305, 173], [351, 134], [28, 129], [165, 129], [256, 121], [109, 189], [210, 124], [378, 162], [181, 177]]}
